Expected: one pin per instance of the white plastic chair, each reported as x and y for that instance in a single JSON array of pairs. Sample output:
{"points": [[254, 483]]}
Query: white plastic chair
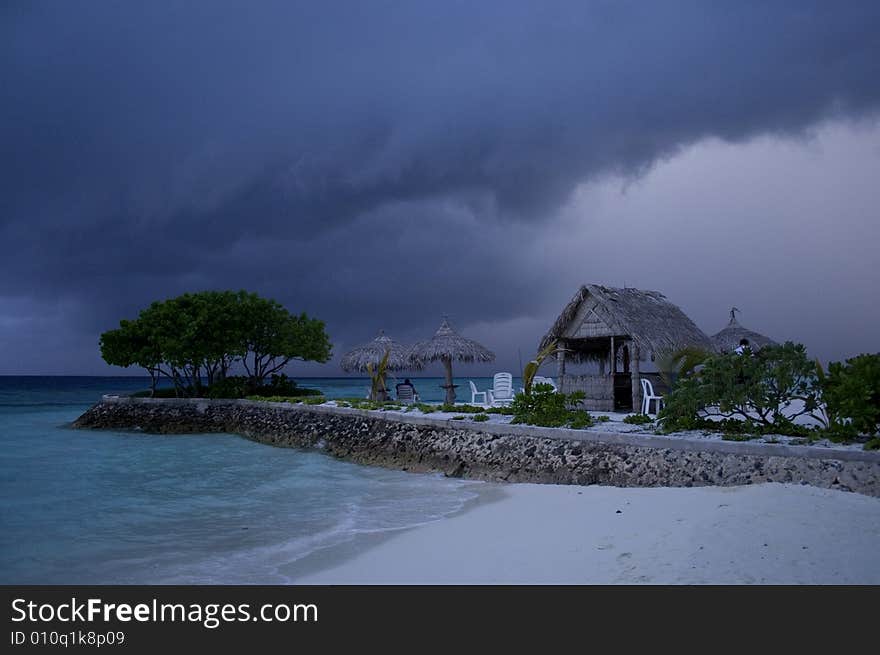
{"points": [[501, 392], [406, 393], [475, 393], [648, 396]]}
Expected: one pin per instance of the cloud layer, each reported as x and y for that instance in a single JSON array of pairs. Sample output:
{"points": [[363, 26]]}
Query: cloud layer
{"points": [[375, 164]]}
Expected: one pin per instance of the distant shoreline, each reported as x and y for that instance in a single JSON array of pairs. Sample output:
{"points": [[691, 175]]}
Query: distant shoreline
{"points": [[495, 452]]}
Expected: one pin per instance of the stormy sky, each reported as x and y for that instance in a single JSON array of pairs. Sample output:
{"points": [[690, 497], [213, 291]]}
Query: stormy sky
{"points": [[379, 164]]}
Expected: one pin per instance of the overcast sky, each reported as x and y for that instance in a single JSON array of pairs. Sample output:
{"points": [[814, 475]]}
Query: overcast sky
{"points": [[379, 164]]}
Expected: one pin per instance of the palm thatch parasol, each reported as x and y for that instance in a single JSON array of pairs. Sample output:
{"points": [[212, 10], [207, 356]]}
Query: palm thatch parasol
{"points": [[447, 345], [728, 339], [367, 358]]}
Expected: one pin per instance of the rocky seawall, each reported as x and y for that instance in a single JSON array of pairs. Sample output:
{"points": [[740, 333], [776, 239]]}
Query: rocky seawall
{"points": [[495, 452]]}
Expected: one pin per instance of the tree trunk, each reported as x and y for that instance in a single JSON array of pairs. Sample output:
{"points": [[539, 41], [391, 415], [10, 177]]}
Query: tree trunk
{"points": [[450, 390]]}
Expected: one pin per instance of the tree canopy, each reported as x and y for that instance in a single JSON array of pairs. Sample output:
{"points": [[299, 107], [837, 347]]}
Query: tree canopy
{"points": [[202, 335]]}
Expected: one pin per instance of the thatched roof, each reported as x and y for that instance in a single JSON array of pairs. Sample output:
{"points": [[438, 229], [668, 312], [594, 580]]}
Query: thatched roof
{"points": [[728, 339], [372, 353], [647, 317], [448, 344]]}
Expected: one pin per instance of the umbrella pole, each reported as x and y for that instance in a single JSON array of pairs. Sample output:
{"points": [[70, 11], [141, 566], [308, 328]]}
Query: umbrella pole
{"points": [[450, 390]]}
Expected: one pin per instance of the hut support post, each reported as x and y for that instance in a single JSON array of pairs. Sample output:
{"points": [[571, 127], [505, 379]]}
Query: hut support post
{"points": [[636, 379], [560, 368], [450, 390], [613, 358]]}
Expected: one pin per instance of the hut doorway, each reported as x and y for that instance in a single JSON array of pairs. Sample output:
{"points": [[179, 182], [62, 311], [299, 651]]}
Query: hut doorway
{"points": [[623, 401]]}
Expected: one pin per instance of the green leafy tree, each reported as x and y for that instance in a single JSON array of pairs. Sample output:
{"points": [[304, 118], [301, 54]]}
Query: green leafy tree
{"points": [[131, 344], [202, 335], [272, 337]]}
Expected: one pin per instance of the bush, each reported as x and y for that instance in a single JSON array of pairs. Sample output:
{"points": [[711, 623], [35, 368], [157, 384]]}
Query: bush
{"points": [[581, 421], [755, 388], [547, 408], [638, 419], [506, 411], [851, 393], [239, 386], [464, 409], [308, 400], [480, 418], [236, 386]]}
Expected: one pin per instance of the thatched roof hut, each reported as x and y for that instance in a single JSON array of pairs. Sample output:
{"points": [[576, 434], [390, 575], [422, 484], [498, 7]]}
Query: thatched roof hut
{"points": [[728, 339], [610, 325], [447, 345]]}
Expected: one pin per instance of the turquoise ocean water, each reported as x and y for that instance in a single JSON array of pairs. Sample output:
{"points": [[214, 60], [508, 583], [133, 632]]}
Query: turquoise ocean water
{"points": [[82, 506]]}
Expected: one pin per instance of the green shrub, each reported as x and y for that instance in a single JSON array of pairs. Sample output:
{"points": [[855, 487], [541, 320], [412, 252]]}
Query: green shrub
{"points": [[581, 420], [638, 419], [480, 418], [731, 436], [506, 411], [547, 408], [236, 386], [464, 409], [458, 418], [239, 386], [308, 400], [873, 444], [755, 388], [851, 392]]}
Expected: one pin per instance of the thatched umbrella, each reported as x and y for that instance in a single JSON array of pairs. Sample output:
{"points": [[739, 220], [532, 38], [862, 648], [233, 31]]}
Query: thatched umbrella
{"points": [[447, 345], [370, 355], [728, 339]]}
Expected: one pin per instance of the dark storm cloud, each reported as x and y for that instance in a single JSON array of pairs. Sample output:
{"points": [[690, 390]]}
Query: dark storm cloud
{"points": [[367, 162]]}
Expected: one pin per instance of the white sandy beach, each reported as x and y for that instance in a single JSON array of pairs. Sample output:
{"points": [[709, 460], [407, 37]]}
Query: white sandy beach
{"points": [[761, 534]]}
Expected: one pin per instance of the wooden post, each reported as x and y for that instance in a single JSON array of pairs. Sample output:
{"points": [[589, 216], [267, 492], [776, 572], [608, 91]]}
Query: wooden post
{"points": [[450, 390], [613, 358], [636, 379], [560, 368]]}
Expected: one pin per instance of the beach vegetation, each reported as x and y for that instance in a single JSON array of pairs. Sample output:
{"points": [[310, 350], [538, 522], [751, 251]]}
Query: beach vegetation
{"points": [[765, 392], [547, 408], [195, 339], [481, 418], [462, 409], [637, 419], [770, 389], [504, 410], [851, 392], [306, 400]]}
